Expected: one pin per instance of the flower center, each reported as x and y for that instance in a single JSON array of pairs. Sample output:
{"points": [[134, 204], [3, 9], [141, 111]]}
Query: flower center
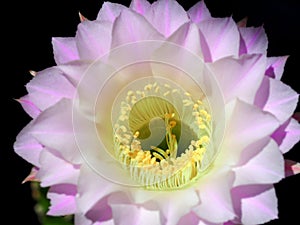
{"points": [[161, 136]]}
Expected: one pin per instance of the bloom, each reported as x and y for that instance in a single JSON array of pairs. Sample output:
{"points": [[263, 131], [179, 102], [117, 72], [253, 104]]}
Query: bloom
{"points": [[148, 109]]}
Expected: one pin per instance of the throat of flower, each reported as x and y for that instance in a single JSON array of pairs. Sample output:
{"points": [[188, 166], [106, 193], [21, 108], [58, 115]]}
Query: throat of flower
{"points": [[161, 136]]}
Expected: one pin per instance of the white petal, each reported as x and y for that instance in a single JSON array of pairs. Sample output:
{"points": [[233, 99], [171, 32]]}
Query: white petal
{"points": [[53, 128], [215, 200], [27, 146], [260, 208], [62, 199], [240, 78], [140, 6], [110, 11], [282, 100], [175, 207], [166, 16], [265, 168], [132, 27], [93, 39], [134, 215], [93, 187], [241, 131], [199, 12], [219, 38], [64, 50], [253, 40], [54, 170], [188, 37]]}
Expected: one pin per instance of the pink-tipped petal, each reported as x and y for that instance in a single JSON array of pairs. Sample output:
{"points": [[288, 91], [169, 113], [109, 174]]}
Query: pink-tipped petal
{"points": [[140, 6], [282, 100], [48, 87], [275, 66], [62, 173], [199, 12], [253, 40], [132, 27], [240, 78], [287, 135], [93, 39], [110, 11], [54, 129], [166, 16], [30, 108], [260, 208], [188, 37], [291, 168], [219, 38], [62, 200], [90, 194], [242, 131], [266, 167], [64, 49], [27, 146]]}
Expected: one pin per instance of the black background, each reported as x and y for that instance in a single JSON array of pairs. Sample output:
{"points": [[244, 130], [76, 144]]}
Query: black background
{"points": [[26, 31]]}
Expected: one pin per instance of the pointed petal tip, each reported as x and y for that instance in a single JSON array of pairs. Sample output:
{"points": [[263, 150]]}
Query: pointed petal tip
{"points": [[81, 17], [32, 72], [243, 22], [291, 168], [31, 176]]}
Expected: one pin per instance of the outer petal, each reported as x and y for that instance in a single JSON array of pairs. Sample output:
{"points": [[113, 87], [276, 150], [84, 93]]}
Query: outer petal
{"points": [[62, 199], [241, 131], [275, 66], [62, 173], [93, 39], [199, 12], [215, 200], [253, 40], [260, 208], [140, 6], [64, 49], [188, 37], [97, 189], [110, 11], [282, 100], [48, 87], [30, 108], [132, 27], [80, 219], [166, 16], [240, 77], [27, 146], [265, 168], [53, 128], [287, 135], [219, 38]]}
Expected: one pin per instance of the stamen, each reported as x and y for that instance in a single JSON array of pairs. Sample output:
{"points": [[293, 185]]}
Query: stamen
{"points": [[164, 165]]}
